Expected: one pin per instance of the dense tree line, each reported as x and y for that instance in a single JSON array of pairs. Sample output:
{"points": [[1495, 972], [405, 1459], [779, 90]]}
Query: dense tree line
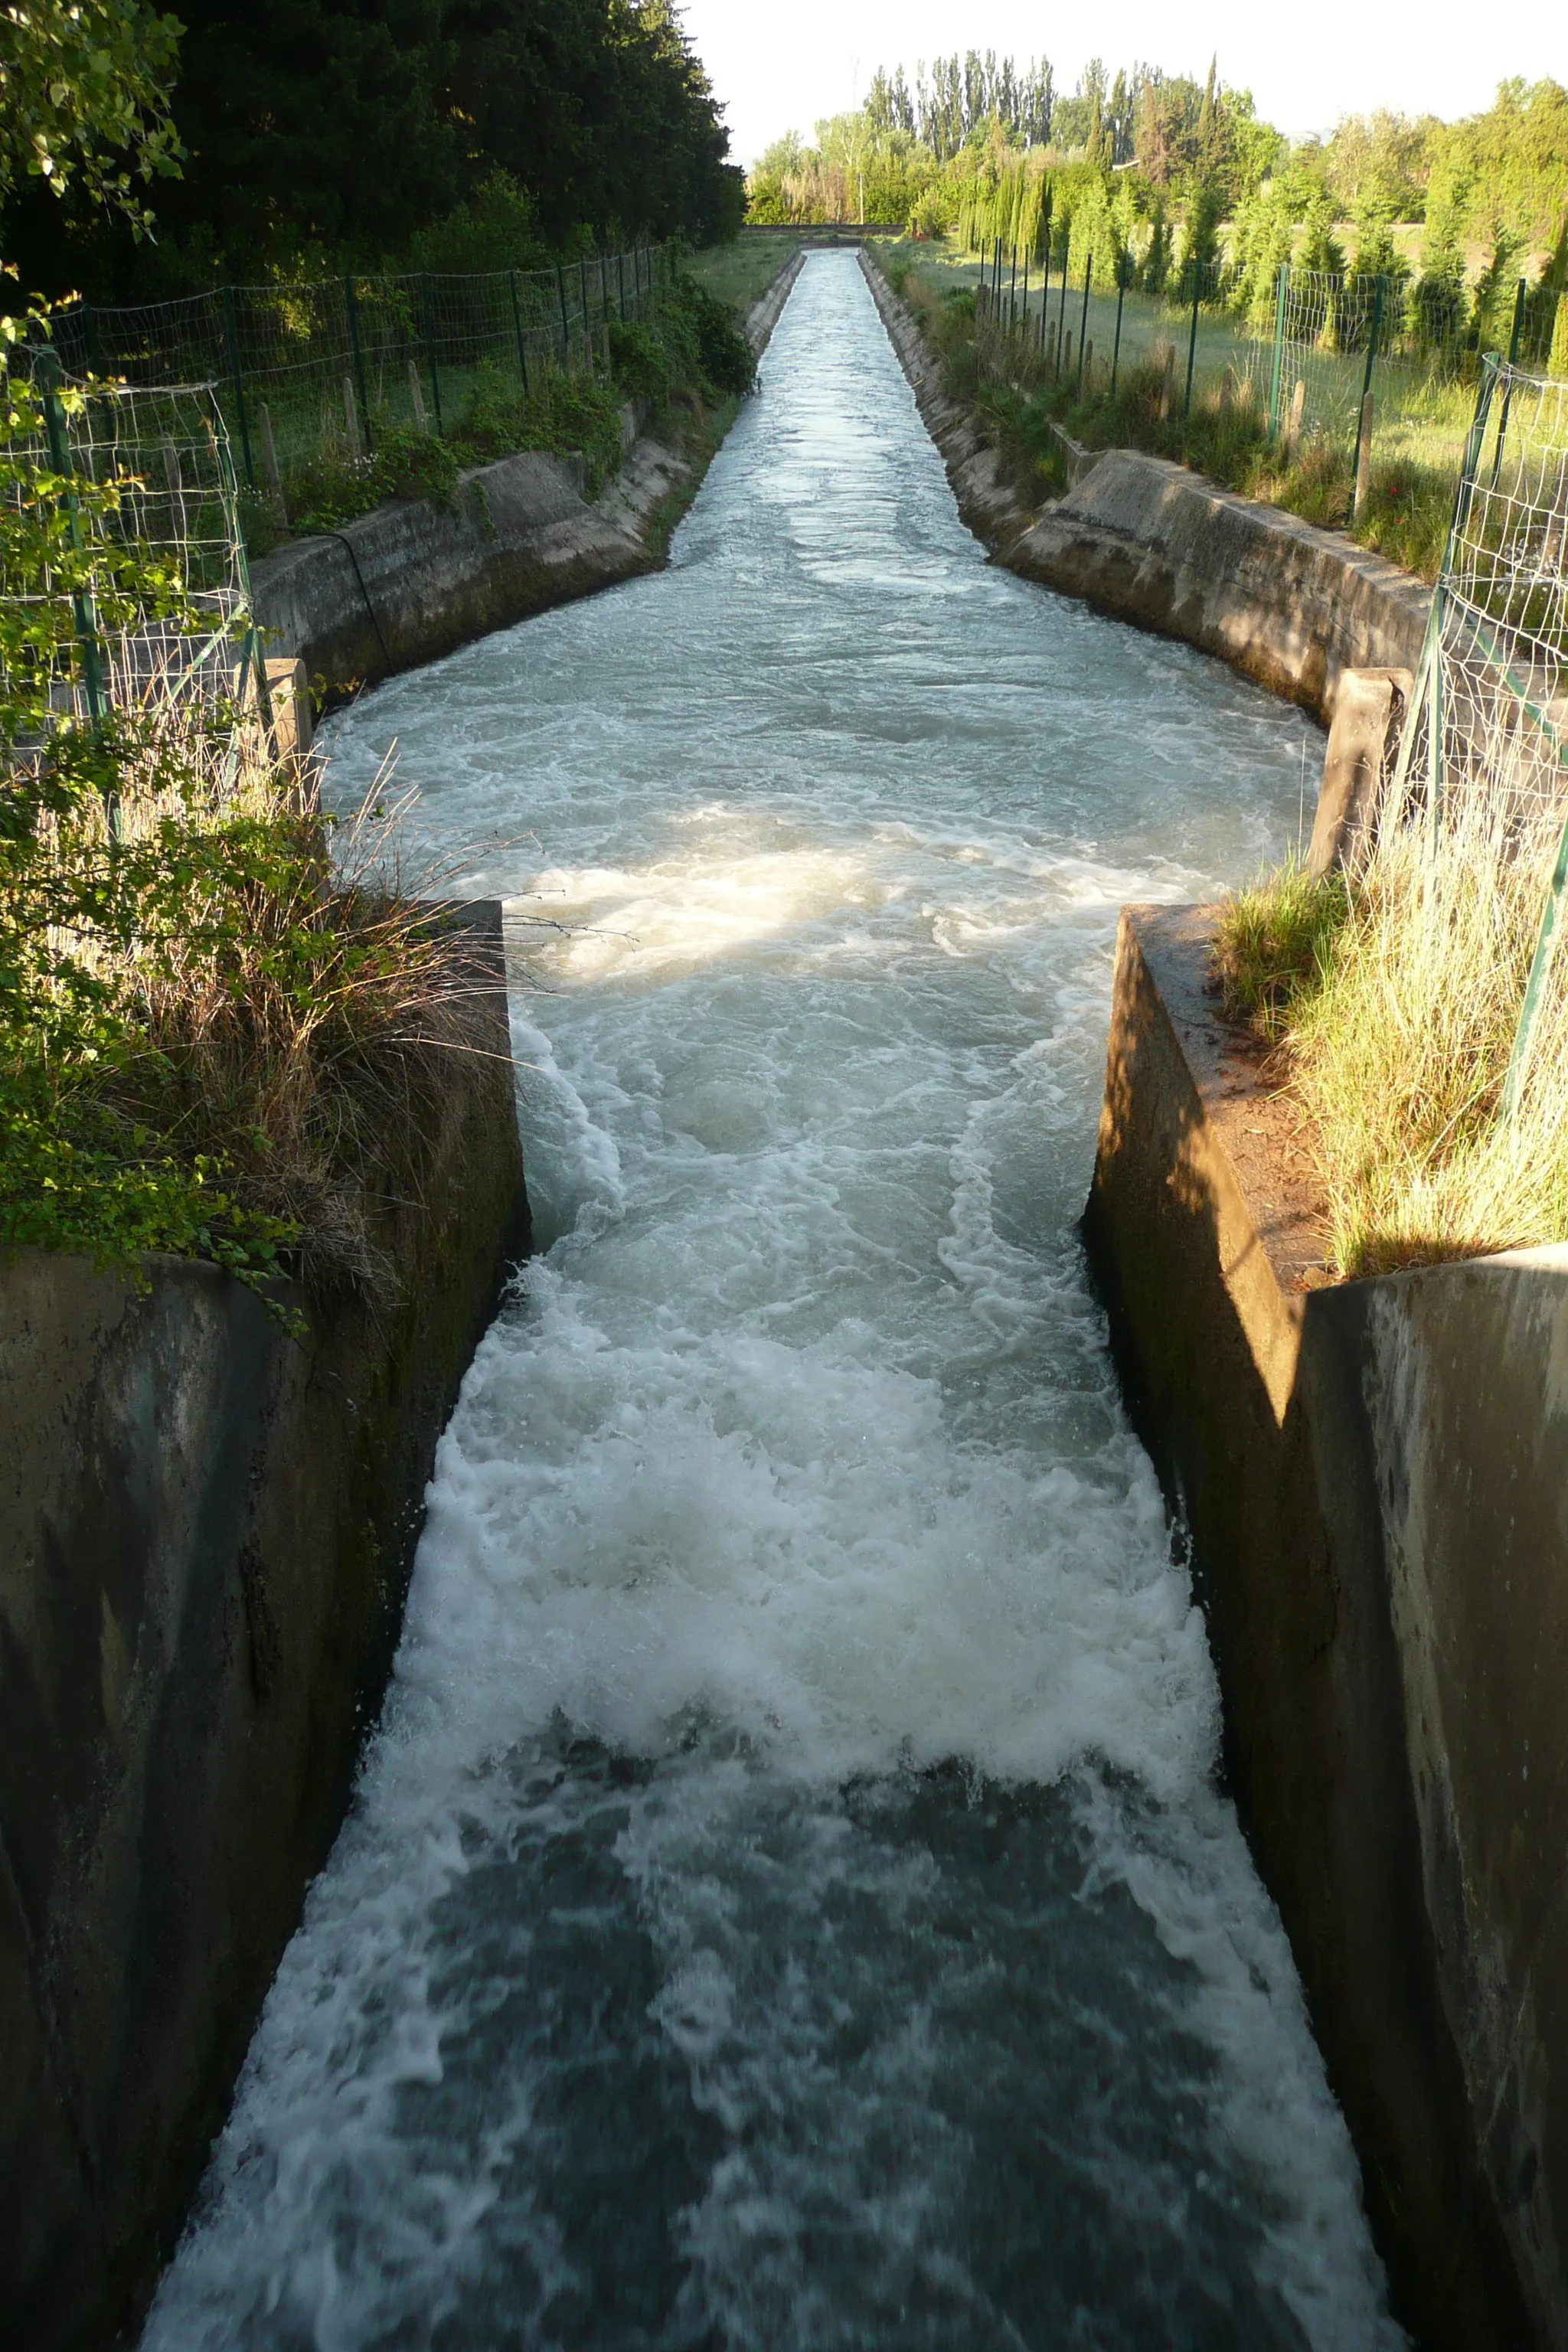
{"points": [[1173, 169], [343, 132]]}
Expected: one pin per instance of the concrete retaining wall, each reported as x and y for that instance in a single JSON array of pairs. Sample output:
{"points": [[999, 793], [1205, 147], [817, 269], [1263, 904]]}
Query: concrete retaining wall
{"points": [[206, 1533], [414, 580], [1156, 544], [1376, 1481]]}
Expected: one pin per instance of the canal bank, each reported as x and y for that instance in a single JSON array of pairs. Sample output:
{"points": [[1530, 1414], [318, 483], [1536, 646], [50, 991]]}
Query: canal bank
{"points": [[417, 578], [1369, 1476], [208, 1521], [1152, 543]]}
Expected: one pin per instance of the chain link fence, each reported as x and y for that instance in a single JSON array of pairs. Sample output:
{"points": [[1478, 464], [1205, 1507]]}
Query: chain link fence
{"points": [[327, 366]]}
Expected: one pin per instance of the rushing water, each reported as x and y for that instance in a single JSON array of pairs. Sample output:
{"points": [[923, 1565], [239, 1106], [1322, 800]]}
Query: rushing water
{"points": [[788, 1902]]}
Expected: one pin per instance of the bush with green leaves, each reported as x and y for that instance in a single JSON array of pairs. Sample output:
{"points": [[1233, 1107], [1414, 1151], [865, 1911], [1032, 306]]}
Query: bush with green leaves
{"points": [[208, 1044]]}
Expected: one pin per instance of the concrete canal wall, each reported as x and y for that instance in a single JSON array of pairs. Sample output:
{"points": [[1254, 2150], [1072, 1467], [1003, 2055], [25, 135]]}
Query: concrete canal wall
{"points": [[206, 1526], [1374, 1478], [415, 579], [1153, 543]]}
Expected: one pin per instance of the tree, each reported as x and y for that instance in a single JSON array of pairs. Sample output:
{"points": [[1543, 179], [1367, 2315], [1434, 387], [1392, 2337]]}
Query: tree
{"points": [[336, 130], [84, 100]]}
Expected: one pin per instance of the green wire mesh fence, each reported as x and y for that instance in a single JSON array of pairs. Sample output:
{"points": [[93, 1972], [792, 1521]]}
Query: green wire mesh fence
{"points": [[1489, 718], [162, 457], [1382, 368], [330, 363]]}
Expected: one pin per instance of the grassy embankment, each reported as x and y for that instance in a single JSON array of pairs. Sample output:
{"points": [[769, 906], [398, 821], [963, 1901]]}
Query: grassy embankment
{"points": [[1010, 383], [686, 361]]}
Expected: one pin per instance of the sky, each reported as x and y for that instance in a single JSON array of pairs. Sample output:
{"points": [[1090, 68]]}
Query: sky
{"points": [[781, 69]]}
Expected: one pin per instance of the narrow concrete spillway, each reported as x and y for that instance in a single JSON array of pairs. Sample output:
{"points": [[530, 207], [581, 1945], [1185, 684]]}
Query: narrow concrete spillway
{"points": [[788, 1901]]}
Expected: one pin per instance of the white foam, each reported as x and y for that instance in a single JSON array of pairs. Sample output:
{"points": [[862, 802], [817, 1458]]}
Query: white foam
{"points": [[795, 1470]]}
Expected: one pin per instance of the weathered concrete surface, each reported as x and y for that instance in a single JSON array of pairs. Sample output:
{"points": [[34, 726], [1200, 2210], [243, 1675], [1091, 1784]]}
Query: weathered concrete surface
{"points": [[1292, 605], [1369, 709], [1374, 1476], [206, 1533], [414, 580], [1152, 543]]}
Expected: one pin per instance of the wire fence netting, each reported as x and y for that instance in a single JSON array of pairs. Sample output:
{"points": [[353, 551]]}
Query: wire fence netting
{"points": [[322, 364], [146, 474], [1309, 348]]}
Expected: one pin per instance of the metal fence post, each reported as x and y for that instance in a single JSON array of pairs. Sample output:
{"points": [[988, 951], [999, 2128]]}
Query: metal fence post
{"points": [[231, 337], [1281, 299], [565, 323], [621, 284], [1193, 337], [1083, 320], [351, 305], [1519, 299], [1362, 436], [427, 320], [1122, 261], [517, 331], [1062, 311], [588, 331]]}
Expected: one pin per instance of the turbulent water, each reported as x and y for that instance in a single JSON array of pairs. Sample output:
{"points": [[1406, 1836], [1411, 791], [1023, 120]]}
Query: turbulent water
{"points": [[788, 1902]]}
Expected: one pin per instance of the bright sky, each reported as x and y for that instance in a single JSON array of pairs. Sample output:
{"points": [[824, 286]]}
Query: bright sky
{"points": [[781, 68]]}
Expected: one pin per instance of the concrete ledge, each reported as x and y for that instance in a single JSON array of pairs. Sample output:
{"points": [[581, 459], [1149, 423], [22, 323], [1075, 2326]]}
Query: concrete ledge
{"points": [[1293, 606], [414, 580], [206, 1533], [1374, 1478]]}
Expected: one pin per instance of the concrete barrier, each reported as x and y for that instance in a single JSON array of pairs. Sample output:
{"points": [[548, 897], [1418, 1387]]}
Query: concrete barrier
{"points": [[1152, 542], [415, 579], [206, 1527], [1373, 1476], [1291, 606]]}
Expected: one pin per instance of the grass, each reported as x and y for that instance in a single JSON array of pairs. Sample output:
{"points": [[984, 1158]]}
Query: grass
{"points": [[1392, 1002], [1012, 384], [742, 273], [227, 1043]]}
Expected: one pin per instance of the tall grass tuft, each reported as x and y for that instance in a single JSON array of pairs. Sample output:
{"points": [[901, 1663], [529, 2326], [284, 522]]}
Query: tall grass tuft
{"points": [[1393, 1002]]}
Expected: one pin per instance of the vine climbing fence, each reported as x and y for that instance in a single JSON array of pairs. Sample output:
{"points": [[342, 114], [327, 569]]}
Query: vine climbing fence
{"points": [[321, 363]]}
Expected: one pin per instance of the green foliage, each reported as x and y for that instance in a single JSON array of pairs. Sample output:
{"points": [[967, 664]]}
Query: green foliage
{"points": [[344, 131], [724, 358], [334, 488], [495, 228], [84, 100], [205, 1043], [1275, 947]]}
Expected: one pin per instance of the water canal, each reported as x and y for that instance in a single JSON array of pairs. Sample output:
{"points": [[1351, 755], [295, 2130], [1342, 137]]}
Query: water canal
{"points": [[788, 1902]]}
